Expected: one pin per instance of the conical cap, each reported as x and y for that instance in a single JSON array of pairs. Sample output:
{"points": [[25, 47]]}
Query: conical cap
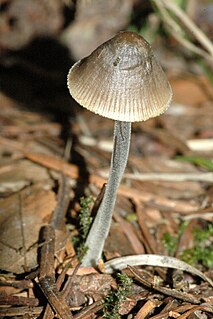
{"points": [[121, 80]]}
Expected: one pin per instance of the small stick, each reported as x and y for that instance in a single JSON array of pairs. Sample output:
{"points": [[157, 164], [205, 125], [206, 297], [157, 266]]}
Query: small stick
{"points": [[167, 291], [47, 252], [207, 308], [49, 314], [91, 309], [190, 25], [22, 284], [57, 220], [18, 300], [148, 240], [165, 312], [146, 309], [128, 230], [169, 177], [47, 275], [21, 311]]}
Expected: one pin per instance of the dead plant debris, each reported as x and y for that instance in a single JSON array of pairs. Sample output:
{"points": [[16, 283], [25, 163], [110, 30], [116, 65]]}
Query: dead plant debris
{"points": [[54, 159]]}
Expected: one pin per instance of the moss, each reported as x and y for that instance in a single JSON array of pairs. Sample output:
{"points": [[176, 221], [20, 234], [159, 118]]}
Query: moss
{"points": [[114, 299], [170, 243], [132, 217], [202, 252], [85, 221]]}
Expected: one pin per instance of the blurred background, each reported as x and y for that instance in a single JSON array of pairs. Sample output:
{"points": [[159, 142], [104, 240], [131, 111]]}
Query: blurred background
{"points": [[41, 39]]}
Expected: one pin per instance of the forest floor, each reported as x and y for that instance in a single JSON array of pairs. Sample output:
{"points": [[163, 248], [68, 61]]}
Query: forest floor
{"points": [[54, 161]]}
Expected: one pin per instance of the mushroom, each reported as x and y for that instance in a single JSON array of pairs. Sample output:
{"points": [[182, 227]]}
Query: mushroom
{"points": [[123, 81]]}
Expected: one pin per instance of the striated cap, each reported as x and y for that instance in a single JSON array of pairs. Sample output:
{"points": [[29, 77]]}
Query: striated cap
{"points": [[121, 80]]}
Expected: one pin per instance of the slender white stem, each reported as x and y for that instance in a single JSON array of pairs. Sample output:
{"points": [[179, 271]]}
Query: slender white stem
{"points": [[101, 225]]}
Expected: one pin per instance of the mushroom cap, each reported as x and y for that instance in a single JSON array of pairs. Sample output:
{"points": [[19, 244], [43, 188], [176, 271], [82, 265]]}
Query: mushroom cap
{"points": [[121, 80]]}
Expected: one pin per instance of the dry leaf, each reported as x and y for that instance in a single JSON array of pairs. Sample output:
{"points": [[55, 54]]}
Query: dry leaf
{"points": [[15, 176], [21, 217]]}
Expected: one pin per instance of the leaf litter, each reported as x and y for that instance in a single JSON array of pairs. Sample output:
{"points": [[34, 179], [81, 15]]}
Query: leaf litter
{"points": [[163, 211]]}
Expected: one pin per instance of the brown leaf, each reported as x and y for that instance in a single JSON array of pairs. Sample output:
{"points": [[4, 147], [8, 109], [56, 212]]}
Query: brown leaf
{"points": [[197, 88], [21, 217], [15, 176]]}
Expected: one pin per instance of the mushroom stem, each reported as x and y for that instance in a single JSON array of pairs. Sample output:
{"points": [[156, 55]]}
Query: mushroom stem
{"points": [[101, 225]]}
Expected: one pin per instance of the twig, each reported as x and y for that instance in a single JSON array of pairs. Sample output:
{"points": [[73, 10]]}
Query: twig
{"points": [[168, 177], [18, 300], [183, 17], [201, 145], [49, 314], [21, 284], [148, 240], [63, 200], [166, 291], [47, 275], [47, 252], [201, 214], [83, 125], [68, 287], [206, 307], [91, 309], [192, 144], [146, 309], [172, 177], [21, 311], [179, 309], [130, 234], [176, 31]]}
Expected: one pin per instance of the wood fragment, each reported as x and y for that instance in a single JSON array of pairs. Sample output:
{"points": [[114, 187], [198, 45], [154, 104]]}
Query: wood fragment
{"points": [[130, 234], [148, 240], [206, 308], [88, 311], [63, 200], [18, 301], [148, 307], [165, 313], [171, 177], [49, 314], [167, 291], [20, 284], [47, 275], [21, 311], [186, 240]]}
